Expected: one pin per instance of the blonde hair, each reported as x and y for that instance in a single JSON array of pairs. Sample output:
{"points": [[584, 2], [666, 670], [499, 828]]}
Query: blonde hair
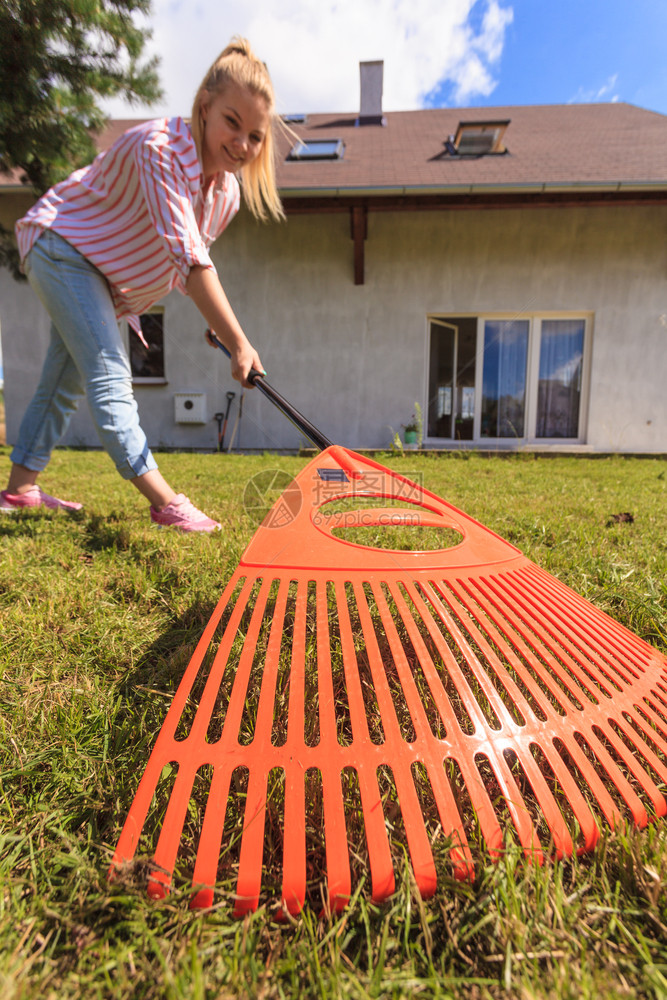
{"points": [[237, 64]]}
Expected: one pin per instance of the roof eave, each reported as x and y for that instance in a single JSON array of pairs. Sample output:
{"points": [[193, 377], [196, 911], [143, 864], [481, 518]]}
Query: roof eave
{"points": [[456, 190]]}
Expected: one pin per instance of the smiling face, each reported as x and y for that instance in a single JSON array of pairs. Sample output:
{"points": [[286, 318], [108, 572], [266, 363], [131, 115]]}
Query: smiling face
{"points": [[236, 122]]}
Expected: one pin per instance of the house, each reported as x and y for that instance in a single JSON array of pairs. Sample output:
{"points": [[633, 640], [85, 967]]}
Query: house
{"points": [[505, 268]]}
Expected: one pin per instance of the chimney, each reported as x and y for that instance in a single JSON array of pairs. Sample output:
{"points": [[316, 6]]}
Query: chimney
{"points": [[371, 74]]}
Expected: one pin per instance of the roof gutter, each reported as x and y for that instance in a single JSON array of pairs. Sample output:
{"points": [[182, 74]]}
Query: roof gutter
{"points": [[454, 190]]}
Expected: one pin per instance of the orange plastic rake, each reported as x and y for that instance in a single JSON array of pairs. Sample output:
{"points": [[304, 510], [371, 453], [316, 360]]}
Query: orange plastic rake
{"points": [[468, 671]]}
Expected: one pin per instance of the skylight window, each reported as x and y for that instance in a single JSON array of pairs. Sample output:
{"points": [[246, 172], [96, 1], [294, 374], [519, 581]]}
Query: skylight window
{"points": [[478, 138], [317, 149]]}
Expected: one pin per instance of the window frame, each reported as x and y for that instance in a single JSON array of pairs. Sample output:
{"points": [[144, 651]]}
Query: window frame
{"points": [[494, 129], [535, 320], [310, 147], [149, 379]]}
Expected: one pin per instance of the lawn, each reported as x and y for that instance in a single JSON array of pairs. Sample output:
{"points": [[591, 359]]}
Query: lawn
{"points": [[100, 613]]}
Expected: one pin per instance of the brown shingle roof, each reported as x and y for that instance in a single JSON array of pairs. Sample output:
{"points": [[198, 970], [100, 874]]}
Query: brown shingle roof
{"points": [[604, 145], [610, 147]]}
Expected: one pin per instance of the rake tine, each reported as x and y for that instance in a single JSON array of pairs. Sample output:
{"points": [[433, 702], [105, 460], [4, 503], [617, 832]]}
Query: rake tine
{"points": [[296, 723], [325, 688], [629, 648], [653, 715], [237, 699], [339, 880], [267, 697], [481, 677], [560, 834], [467, 614], [534, 640], [635, 768], [294, 840], [355, 696], [609, 808], [382, 874], [134, 824], [294, 853], [451, 822], [452, 667], [484, 810], [518, 810], [205, 871], [406, 677], [418, 843], [622, 784], [249, 880], [507, 631], [379, 854], [205, 709], [572, 632], [590, 832], [646, 736], [419, 847], [170, 834], [390, 724]]}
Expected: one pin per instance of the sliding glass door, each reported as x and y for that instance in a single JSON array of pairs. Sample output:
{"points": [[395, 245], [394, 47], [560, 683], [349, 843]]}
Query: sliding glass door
{"points": [[508, 379], [451, 395]]}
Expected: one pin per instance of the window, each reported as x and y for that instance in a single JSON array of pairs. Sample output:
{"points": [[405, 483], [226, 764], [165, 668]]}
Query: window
{"points": [[559, 386], [477, 139], [508, 379], [317, 149], [147, 363], [504, 382]]}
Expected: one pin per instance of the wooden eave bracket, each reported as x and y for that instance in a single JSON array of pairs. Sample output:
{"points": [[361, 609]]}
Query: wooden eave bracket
{"points": [[358, 233]]}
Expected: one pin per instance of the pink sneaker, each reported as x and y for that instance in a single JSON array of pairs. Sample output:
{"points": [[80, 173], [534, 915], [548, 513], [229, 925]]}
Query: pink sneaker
{"points": [[34, 497], [180, 513]]}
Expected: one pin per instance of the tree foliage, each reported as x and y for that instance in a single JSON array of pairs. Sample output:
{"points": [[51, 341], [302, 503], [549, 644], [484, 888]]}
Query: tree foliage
{"points": [[58, 58]]}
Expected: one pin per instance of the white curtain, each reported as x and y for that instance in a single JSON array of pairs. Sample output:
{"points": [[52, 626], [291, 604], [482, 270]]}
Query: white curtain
{"points": [[559, 388]]}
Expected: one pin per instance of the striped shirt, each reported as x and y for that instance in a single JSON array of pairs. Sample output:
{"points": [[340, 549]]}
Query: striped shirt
{"points": [[139, 213]]}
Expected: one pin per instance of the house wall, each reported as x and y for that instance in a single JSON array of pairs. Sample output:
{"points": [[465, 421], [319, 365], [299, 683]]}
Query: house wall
{"points": [[353, 358]]}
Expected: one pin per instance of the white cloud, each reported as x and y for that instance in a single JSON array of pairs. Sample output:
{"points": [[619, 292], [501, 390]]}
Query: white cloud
{"points": [[606, 94], [313, 48]]}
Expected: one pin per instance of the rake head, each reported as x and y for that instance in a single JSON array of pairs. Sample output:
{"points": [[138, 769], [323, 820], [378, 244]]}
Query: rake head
{"points": [[485, 695]]}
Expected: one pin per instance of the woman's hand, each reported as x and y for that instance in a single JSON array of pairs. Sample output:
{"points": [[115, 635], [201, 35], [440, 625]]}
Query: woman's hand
{"points": [[243, 360], [239, 361]]}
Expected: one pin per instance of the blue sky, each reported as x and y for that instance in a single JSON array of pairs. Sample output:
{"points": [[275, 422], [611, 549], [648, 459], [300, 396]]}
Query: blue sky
{"points": [[461, 53], [564, 51]]}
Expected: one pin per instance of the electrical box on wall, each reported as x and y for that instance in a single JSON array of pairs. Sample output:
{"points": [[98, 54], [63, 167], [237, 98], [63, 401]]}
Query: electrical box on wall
{"points": [[190, 407]]}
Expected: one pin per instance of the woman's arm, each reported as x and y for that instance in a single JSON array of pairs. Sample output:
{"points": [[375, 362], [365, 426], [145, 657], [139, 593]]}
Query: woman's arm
{"points": [[205, 290]]}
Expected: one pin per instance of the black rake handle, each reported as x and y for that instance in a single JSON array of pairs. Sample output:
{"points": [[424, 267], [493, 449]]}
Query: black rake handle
{"points": [[257, 379]]}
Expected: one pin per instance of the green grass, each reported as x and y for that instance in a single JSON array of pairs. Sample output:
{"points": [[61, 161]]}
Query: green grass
{"points": [[99, 614]]}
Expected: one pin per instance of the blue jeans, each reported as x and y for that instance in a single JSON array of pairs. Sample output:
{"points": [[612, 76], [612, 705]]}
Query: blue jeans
{"points": [[86, 355]]}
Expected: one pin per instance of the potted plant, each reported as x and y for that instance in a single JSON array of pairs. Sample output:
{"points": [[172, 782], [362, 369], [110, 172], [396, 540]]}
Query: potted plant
{"points": [[412, 431]]}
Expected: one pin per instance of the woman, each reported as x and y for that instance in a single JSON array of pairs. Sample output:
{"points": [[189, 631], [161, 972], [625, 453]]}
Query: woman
{"points": [[117, 236]]}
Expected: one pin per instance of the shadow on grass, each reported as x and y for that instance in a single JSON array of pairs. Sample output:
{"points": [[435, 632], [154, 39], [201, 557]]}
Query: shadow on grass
{"points": [[160, 669], [108, 531], [28, 521]]}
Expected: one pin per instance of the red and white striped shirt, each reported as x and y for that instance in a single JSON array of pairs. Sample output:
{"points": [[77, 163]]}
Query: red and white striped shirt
{"points": [[139, 213]]}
